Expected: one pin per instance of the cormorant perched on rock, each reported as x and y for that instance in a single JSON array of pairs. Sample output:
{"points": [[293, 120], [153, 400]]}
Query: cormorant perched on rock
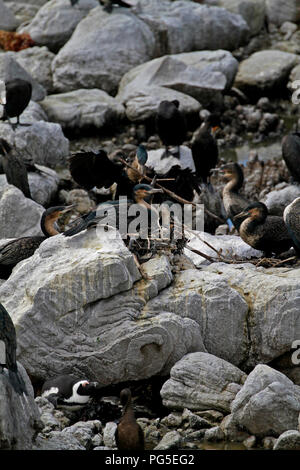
{"points": [[65, 391], [21, 248], [111, 209], [170, 125], [9, 362], [90, 169], [129, 434], [291, 153], [291, 217], [18, 96], [233, 202], [205, 148], [264, 232], [14, 168]]}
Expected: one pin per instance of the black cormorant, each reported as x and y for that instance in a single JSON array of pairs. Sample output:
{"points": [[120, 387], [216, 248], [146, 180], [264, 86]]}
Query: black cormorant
{"points": [[129, 434], [18, 96], [8, 338], [291, 217], [264, 232], [14, 168], [170, 125], [90, 169], [233, 202], [291, 153], [16, 250], [205, 148]]}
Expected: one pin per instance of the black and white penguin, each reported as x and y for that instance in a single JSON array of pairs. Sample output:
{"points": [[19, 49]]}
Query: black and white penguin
{"points": [[8, 347], [65, 391]]}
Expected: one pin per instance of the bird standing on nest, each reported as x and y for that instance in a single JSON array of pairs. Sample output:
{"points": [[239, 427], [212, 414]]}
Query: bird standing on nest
{"points": [[9, 361], [129, 434], [264, 232], [170, 126], [15, 251], [90, 169], [205, 148], [291, 217], [17, 97]]}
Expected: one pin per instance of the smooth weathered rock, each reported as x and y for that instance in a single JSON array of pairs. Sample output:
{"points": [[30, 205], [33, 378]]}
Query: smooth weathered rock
{"points": [[265, 71], [10, 69], [268, 404], [19, 216], [125, 42], [152, 29], [83, 108], [23, 11], [277, 200], [19, 414], [109, 432], [214, 434], [56, 440], [200, 75], [8, 21], [37, 62], [42, 142], [83, 431], [201, 381], [236, 306], [55, 22], [253, 12], [233, 247], [289, 440], [43, 185], [171, 440], [278, 12], [83, 286]]}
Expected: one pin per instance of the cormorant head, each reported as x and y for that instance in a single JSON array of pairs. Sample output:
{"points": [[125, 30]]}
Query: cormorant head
{"points": [[232, 170], [51, 215], [256, 210], [142, 154], [125, 396], [142, 191]]}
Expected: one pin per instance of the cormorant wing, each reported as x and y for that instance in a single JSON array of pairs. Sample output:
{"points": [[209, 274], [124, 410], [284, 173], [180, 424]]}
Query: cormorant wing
{"points": [[91, 169], [8, 335]]}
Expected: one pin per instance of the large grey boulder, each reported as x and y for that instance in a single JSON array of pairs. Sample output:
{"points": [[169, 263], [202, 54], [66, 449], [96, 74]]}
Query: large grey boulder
{"points": [[37, 62], [19, 216], [10, 69], [278, 12], [130, 38], [55, 22], [8, 21], [19, 414], [247, 315], [24, 12], [201, 381], [277, 200], [125, 42], [253, 12], [201, 75], [93, 315], [265, 71], [42, 142], [268, 404], [83, 108]]}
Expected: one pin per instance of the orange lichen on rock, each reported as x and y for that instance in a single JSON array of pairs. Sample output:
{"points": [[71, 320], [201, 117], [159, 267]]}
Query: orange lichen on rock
{"points": [[10, 41]]}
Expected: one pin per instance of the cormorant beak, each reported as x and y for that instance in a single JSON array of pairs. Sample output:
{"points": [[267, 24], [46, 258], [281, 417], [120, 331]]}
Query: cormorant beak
{"points": [[68, 208], [241, 214], [154, 191]]}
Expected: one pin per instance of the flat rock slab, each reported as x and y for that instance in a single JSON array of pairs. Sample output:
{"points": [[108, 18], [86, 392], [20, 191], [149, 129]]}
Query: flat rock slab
{"points": [[8, 21], [265, 71], [268, 404], [201, 381], [83, 108]]}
